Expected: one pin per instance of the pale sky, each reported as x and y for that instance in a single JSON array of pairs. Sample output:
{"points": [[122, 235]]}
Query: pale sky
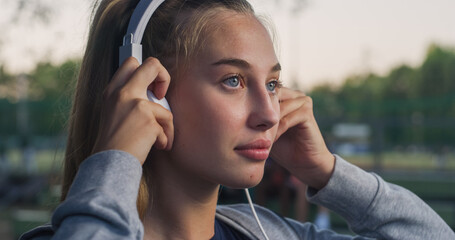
{"points": [[326, 42]]}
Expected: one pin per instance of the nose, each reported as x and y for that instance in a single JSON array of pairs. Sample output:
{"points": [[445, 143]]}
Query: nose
{"points": [[264, 112]]}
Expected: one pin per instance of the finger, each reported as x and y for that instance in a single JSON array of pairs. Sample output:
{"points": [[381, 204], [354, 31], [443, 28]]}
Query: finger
{"points": [[294, 118], [151, 71], [287, 93], [292, 104], [161, 140], [122, 75], [160, 86], [165, 118]]}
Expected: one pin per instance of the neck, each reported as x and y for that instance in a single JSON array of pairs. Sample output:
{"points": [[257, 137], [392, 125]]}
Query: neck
{"points": [[181, 206]]}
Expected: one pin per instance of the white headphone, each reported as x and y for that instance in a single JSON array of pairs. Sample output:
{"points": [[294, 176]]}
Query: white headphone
{"points": [[132, 46]]}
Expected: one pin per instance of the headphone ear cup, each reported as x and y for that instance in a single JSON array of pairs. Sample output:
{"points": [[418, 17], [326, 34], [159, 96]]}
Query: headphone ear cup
{"points": [[163, 102]]}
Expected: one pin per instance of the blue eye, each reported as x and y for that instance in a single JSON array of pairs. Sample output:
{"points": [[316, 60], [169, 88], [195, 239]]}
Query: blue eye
{"points": [[233, 81], [271, 86]]}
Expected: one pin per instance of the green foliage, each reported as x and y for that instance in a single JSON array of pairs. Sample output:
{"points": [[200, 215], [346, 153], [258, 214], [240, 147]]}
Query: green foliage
{"points": [[47, 104], [407, 106], [4, 76], [51, 82]]}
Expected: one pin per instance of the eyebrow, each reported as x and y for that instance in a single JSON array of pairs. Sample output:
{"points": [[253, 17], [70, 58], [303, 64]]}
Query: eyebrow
{"points": [[241, 63]]}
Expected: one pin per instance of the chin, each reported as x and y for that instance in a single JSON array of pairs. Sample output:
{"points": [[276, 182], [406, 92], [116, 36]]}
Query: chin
{"points": [[248, 180]]}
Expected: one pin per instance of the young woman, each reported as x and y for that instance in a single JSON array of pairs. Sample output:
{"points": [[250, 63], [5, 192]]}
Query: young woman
{"points": [[144, 172]]}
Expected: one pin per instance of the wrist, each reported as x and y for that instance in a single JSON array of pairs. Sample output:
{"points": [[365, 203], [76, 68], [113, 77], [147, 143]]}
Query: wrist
{"points": [[319, 176]]}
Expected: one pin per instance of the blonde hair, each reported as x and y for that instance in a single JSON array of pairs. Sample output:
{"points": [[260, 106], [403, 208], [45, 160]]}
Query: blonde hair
{"points": [[174, 35]]}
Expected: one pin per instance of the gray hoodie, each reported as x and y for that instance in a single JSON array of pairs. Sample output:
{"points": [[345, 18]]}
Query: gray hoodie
{"points": [[101, 204]]}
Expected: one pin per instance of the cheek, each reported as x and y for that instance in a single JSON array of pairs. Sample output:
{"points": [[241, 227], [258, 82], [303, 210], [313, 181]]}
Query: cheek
{"points": [[226, 111], [205, 115], [220, 120]]}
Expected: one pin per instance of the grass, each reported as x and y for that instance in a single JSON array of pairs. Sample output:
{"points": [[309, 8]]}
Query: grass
{"points": [[405, 161], [46, 161]]}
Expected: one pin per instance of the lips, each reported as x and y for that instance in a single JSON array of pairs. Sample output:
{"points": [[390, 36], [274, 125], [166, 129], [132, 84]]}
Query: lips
{"points": [[257, 150]]}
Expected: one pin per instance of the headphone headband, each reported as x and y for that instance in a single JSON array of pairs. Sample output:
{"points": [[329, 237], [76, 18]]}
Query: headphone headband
{"points": [[132, 40]]}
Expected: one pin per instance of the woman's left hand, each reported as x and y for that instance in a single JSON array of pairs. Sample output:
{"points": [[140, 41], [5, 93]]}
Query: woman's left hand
{"points": [[299, 146]]}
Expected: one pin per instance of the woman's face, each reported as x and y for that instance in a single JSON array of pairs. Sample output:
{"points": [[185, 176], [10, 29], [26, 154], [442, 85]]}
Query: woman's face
{"points": [[225, 107]]}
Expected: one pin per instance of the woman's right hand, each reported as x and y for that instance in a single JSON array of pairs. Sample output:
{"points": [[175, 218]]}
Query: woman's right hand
{"points": [[129, 121]]}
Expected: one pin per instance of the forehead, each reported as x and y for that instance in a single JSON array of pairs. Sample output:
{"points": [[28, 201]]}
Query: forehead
{"points": [[237, 35]]}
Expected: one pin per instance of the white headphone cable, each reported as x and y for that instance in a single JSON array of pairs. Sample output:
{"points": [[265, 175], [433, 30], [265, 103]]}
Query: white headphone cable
{"points": [[247, 193]]}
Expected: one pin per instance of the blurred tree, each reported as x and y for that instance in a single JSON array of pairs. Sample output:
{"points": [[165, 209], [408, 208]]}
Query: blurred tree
{"points": [[6, 80], [49, 98], [436, 85], [49, 82], [5, 107], [408, 105], [398, 96], [51, 88], [326, 102]]}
